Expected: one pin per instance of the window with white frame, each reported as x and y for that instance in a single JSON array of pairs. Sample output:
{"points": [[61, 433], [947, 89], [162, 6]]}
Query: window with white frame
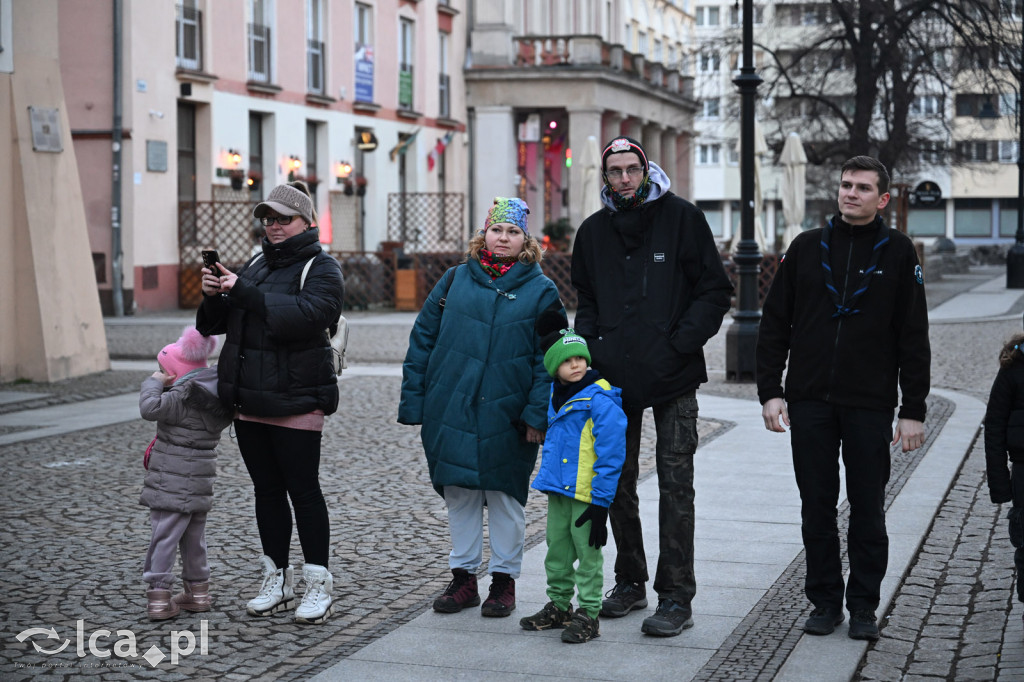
{"points": [[628, 37], [707, 15], [710, 62], [712, 107], [188, 38], [259, 41], [932, 152], [405, 63], [641, 42], [1009, 151], [1008, 102], [362, 36], [736, 15], [926, 105], [708, 154], [445, 92], [657, 51], [315, 46], [733, 154]]}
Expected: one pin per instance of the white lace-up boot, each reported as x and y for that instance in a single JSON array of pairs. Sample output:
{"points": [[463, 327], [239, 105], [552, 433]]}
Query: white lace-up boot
{"points": [[316, 602], [276, 593]]}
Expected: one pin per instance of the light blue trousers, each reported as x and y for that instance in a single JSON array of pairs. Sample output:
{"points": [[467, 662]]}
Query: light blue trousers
{"points": [[506, 526]]}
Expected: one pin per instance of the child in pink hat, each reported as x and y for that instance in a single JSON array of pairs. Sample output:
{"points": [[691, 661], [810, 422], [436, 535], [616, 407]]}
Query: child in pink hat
{"points": [[181, 466]]}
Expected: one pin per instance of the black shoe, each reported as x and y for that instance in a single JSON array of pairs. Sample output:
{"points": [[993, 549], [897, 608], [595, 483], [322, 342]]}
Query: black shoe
{"points": [[548, 617], [863, 625], [461, 593], [623, 598], [823, 621], [583, 628], [669, 620], [501, 599]]}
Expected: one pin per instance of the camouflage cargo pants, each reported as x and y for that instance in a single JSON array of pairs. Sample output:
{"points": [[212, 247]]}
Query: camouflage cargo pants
{"points": [[676, 425]]}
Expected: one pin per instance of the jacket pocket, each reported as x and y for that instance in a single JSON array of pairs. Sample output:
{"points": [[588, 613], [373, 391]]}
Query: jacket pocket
{"points": [[1015, 430]]}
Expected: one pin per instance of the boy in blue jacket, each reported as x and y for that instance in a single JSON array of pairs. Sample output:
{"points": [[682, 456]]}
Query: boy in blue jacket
{"points": [[584, 449]]}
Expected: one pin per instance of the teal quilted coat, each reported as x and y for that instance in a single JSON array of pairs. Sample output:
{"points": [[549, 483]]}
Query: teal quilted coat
{"points": [[475, 372]]}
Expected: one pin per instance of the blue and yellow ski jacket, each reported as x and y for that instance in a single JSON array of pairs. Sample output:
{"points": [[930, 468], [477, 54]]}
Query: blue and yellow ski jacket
{"points": [[585, 446]]}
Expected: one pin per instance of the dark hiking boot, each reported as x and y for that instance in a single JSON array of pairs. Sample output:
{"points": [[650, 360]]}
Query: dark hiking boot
{"points": [[501, 599], [461, 593], [669, 620], [583, 628], [863, 625], [823, 621], [548, 617], [623, 598]]}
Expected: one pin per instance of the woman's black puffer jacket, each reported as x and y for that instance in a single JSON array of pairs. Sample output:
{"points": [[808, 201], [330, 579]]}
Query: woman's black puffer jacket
{"points": [[276, 360]]}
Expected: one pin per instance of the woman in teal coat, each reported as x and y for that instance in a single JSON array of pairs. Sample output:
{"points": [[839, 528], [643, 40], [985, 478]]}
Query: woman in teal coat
{"points": [[474, 378]]}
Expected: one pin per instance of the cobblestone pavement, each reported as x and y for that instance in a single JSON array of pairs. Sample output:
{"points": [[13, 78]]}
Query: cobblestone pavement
{"points": [[73, 539]]}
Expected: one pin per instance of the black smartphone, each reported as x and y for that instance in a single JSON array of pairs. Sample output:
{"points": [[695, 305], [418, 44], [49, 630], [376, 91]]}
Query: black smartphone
{"points": [[210, 256]]}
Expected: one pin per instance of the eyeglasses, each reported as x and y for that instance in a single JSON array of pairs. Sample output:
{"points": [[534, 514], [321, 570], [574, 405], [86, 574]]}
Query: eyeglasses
{"points": [[617, 173], [269, 220]]}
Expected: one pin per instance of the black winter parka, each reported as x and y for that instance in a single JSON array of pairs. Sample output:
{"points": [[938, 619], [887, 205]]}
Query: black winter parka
{"points": [[652, 291], [277, 359], [854, 360], [1004, 429]]}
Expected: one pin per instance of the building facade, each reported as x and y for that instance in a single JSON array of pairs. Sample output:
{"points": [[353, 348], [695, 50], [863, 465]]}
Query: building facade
{"points": [[220, 100], [547, 83], [963, 182]]}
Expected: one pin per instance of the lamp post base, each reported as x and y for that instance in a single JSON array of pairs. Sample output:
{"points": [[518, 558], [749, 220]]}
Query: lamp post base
{"points": [[1015, 267], [741, 348]]}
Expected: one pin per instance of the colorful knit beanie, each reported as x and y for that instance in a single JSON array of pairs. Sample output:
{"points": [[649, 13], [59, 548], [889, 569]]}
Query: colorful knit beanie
{"points": [[512, 210]]}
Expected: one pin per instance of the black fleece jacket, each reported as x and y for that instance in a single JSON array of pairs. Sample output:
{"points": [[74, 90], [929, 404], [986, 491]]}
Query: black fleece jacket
{"points": [[652, 291], [854, 360]]}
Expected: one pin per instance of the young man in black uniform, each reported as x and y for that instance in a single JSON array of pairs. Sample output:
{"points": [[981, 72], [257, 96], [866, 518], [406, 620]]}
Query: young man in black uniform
{"points": [[847, 307]]}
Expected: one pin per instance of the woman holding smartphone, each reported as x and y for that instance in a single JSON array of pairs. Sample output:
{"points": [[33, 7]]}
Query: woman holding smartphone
{"points": [[276, 372]]}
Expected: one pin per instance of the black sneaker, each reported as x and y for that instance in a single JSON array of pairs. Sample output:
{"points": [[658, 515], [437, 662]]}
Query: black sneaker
{"points": [[461, 593], [501, 599], [823, 621], [863, 625], [548, 617], [583, 628], [623, 598], [669, 620]]}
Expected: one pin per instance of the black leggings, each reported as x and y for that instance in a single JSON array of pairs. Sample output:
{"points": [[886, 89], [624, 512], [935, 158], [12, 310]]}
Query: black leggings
{"points": [[285, 463]]}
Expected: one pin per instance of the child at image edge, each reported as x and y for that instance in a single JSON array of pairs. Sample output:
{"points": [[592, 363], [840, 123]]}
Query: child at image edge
{"points": [[1004, 438], [181, 465], [584, 449]]}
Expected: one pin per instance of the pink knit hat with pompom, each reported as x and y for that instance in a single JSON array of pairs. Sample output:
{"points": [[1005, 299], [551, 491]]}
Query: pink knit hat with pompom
{"points": [[187, 353]]}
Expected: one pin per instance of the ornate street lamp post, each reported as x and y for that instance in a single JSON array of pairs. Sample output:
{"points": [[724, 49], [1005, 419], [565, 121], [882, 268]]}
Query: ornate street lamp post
{"points": [[741, 338]]}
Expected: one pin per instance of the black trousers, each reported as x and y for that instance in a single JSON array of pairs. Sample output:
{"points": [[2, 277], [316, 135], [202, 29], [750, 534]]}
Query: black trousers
{"points": [[285, 463], [819, 431]]}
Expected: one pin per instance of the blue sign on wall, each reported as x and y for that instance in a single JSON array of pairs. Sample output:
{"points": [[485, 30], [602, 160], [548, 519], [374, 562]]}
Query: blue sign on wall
{"points": [[364, 73]]}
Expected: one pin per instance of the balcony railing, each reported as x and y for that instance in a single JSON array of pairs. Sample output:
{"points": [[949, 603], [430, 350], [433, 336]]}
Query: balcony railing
{"points": [[591, 50], [188, 40], [315, 50], [259, 53], [445, 96]]}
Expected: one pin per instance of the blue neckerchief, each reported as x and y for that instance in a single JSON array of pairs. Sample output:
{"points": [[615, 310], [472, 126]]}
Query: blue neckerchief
{"points": [[847, 307]]}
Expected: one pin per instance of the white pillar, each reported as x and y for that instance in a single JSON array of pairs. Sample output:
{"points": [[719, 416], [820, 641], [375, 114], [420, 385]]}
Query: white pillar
{"points": [[583, 123], [494, 160]]}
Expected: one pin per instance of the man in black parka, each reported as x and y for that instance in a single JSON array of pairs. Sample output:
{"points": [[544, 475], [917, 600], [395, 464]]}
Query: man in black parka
{"points": [[652, 291], [847, 307]]}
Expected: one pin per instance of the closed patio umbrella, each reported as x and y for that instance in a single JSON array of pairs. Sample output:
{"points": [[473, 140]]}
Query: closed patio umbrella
{"points": [[794, 187]]}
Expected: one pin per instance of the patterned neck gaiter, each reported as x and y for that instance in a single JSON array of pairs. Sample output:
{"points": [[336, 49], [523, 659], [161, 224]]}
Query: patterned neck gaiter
{"points": [[639, 196], [496, 266]]}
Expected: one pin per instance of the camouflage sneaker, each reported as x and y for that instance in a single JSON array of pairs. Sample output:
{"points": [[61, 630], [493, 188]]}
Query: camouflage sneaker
{"points": [[461, 593], [548, 617], [583, 628]]}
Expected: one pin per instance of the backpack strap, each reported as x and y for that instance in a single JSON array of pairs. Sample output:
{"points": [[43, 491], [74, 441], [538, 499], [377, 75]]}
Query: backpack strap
{"points": [[448, 278]]}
